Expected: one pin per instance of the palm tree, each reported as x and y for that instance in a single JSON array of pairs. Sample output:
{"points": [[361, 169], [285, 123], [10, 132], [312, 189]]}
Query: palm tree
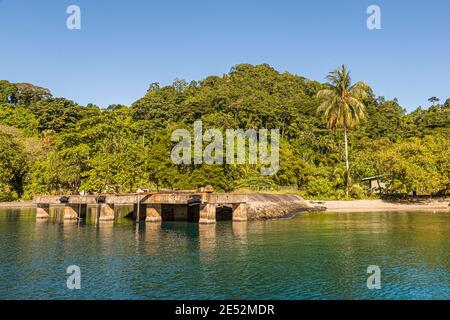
{"points": [[342, 106]]}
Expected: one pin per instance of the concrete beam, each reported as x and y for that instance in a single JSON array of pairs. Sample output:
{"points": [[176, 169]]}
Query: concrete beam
{"points": [[77, 199], [168, 198], [224, 198], [208, 213], [154, 213], [124, 199], [82, 199]]}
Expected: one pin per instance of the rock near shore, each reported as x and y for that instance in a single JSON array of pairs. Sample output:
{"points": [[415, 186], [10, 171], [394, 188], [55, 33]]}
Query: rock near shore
{"points": [[275, 206]]}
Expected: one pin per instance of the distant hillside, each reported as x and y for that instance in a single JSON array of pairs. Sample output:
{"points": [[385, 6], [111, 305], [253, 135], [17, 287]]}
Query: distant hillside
{"points": [[54, 145]]}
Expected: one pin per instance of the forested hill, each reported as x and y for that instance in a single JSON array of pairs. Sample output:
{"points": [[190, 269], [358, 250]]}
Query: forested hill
{"points": [[53, 145]]}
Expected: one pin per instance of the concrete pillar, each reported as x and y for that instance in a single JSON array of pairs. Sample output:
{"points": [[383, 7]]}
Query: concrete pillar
{"points": [[208, 213], [42, 211], [106, 212], [240, 212], [153, 213], [92, 213], [71, 212]]}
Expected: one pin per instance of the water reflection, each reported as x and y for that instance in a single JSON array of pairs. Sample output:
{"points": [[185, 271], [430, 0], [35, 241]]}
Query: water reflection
{"points": [[240, 230], [105, 229], [70, 228], [313, 256], [207, 237], [40, 230], [153, 237]]}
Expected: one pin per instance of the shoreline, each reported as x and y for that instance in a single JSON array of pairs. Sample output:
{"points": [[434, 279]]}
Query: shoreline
{"points": [[381, 205], [18, 205], [330, 205]]}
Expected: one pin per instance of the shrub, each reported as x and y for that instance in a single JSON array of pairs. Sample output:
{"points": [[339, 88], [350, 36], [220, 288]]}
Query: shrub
{"points": [[319, 187]]}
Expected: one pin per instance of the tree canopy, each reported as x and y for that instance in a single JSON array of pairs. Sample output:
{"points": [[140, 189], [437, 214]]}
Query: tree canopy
{"points": [[53, 145]]}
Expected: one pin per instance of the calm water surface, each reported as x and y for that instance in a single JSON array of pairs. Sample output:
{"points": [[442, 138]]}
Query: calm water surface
{"points": [[312, 256]]}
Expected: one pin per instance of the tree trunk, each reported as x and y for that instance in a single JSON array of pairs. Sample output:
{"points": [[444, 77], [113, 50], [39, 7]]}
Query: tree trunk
{"points": [[347, 170]]}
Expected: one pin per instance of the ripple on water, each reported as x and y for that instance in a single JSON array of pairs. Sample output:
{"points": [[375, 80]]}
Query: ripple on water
{"points": [[313, 256]]}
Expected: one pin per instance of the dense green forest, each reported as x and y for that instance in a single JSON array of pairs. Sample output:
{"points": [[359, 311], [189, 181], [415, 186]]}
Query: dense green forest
{"points": [[53, 145]]}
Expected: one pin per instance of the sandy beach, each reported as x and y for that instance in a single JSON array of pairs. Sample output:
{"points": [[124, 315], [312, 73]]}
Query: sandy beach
{"points": [[382, 205]]}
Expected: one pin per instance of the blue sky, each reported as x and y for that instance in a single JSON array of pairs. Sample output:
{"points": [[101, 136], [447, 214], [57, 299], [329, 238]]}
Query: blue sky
{"points": [[123, 46]]}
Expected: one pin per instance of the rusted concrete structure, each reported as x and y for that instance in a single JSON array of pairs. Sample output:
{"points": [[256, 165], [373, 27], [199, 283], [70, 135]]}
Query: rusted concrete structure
{"points": [[192, 205]]}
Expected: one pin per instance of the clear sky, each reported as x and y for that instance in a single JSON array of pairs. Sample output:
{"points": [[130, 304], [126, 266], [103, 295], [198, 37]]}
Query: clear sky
{"points": [[123, 46]]}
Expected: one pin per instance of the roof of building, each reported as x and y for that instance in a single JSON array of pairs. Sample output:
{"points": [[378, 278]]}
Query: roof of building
{"points": [[371, 178]]}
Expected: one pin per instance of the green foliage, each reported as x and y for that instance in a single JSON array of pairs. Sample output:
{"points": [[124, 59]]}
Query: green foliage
{"points": [[342, 105], [7, 92], [13, 167], [320, 187], [19, 117], [356, 192], [56, 114], [417, 165], [54, 146]]}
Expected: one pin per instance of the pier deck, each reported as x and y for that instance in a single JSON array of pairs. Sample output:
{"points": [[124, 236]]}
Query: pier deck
{"points": [[149, 206]]}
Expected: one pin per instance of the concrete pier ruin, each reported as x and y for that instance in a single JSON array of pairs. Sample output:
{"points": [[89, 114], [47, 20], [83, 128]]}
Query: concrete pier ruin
{"points": [[189, 205], [202, 206]]}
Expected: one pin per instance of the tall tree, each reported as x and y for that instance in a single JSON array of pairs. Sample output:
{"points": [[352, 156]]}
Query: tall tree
{"points": [[342, 106], [434, 100]]}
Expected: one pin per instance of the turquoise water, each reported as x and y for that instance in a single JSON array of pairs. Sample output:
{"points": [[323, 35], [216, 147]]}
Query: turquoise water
{"points": [[312, 256]]}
